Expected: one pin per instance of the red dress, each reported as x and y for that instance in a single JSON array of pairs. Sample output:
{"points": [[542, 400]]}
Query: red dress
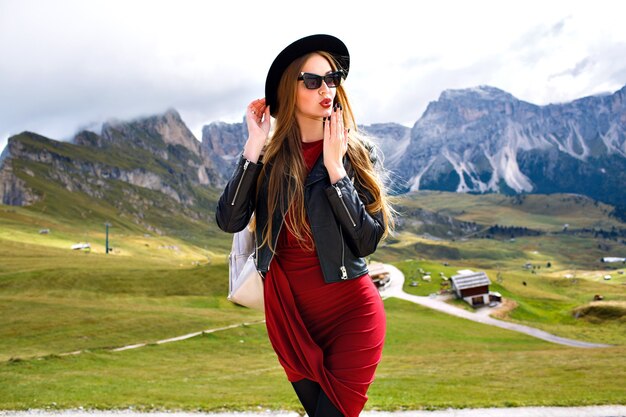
{"points": [[329, 333]]}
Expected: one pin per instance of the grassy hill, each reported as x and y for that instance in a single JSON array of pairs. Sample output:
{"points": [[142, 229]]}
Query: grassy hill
{"points": [[65, 301], [549, 277], [155, 286], [55, 300], [535, 211], [430, 360], [81, 186]]}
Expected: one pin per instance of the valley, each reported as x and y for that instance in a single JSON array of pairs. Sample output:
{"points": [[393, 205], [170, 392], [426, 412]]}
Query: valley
{"points": [[151, 287], [166, 272]]}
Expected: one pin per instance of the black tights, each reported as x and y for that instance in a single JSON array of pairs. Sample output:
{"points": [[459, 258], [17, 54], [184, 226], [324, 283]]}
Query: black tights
{"points": [[314, 399]]}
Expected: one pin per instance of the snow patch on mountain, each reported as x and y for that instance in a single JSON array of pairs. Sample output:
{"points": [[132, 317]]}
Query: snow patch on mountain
{"points": [[399, 149], [415, 181], [509, 170], [483, 139], [611, 140]]}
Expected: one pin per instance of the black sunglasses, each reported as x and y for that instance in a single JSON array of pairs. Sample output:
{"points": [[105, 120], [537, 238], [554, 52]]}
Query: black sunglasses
{"points": [[313, 81]]}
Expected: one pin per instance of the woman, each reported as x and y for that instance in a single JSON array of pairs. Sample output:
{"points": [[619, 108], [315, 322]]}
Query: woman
{"points": [[319, 209]]}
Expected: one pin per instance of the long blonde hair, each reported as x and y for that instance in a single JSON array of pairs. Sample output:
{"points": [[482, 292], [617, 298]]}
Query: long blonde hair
{"points": [[285, 164]]}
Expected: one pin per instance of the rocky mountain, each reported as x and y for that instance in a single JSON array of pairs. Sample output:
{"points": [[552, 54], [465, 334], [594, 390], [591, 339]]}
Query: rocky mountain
{"points": [[392, 140], [152, 170], [155, 172], [485, 140], [223, 143]]}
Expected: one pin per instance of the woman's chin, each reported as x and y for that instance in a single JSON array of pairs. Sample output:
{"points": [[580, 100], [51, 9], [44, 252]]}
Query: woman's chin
{"points": [[316, 115]]}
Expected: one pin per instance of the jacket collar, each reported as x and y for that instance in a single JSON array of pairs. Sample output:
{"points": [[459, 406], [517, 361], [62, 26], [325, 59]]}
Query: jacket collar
{"points": [[317, 173]]}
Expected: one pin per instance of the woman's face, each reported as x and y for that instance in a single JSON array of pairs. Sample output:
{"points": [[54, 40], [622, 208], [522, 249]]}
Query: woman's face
{"points": [[316, 103]]}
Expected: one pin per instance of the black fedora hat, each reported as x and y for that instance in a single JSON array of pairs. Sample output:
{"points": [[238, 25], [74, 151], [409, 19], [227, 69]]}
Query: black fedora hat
{"points": [[301, 47]]}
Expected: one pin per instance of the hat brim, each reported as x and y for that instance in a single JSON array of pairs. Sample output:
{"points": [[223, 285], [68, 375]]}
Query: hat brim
{"points": [[301, 47]]}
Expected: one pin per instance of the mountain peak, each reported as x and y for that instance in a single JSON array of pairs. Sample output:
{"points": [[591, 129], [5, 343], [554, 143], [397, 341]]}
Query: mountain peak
{"points": [[173, 113], [167, 127], [483, 139], [482, 92], [169, 116]]}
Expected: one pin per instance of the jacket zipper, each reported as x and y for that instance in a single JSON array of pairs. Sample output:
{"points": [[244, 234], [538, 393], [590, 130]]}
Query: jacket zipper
{"points": [[344, 204], [256, 251], [278, 234], [245, 167], [342, 268]]}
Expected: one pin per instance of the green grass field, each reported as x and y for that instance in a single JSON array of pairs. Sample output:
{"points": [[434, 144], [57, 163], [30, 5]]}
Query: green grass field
{"points": [[430, 360], [67, 301], [539, 212], [54, 300]]}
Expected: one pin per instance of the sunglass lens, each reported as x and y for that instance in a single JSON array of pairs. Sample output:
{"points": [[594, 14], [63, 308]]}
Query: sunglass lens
{"points": [[333, 80], [312, 81]]}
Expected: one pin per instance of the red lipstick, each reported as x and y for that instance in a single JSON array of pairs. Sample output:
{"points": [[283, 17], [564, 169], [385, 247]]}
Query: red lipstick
{"points": [[326, 103]]}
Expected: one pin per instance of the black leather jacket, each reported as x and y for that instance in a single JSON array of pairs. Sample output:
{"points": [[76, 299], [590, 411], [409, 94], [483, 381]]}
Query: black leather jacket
{"points": [[343, 231]]}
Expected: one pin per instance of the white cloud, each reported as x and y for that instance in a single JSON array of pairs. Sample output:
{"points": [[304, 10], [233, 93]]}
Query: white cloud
{"points": [[68, 63]]}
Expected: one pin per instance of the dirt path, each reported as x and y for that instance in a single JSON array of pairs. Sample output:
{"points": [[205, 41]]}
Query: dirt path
{"points": [[172, 339], [395, 290]]}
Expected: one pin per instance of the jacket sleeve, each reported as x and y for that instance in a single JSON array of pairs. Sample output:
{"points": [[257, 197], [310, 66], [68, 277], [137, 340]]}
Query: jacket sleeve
{"points": [[236, 204], [361, 230]]}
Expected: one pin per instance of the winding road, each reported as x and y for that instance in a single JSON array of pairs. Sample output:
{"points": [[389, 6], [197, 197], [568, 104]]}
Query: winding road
{"points": [[395, 290]]}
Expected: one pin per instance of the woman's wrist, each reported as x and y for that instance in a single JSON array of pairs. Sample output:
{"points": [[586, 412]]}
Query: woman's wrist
{"points": [[252, 149], [336, 173]]}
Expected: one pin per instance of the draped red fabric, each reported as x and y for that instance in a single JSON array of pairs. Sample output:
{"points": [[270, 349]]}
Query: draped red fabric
{"points": [[329, 333]]}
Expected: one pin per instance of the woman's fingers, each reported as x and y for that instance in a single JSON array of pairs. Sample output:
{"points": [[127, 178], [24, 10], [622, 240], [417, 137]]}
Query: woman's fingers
{"points": [[339, 133], [335, 136], [257, 105], [264, 119], [258, 117], [333, 124], [340, 124], [253, 107], [326, 128], [257, 110]]}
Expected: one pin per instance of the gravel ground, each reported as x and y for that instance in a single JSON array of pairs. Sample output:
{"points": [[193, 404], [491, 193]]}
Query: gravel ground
{"points": [[592, 411]]}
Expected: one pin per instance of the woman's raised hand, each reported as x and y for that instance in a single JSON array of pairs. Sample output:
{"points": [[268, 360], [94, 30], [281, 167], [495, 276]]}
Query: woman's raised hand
{"points": [[335, 144], [258, 122]]}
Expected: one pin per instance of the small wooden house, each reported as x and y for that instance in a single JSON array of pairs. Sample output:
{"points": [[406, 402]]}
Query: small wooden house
{"points": [[379, 274], [473, 287]]}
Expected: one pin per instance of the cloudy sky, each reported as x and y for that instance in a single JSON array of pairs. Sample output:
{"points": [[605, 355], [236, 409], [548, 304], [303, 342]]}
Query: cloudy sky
{"points": [[67, 65]]}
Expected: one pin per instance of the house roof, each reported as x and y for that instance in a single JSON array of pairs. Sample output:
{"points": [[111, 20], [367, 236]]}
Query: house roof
{"points": [[464, 281], [377, 269]]}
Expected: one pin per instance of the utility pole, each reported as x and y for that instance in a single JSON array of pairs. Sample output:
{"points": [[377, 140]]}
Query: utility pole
{"points": [[107, 224]]}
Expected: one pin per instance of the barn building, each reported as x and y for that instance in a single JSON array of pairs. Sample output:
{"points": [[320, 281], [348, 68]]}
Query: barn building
{"points": [[379, 274], [473, 287]]}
